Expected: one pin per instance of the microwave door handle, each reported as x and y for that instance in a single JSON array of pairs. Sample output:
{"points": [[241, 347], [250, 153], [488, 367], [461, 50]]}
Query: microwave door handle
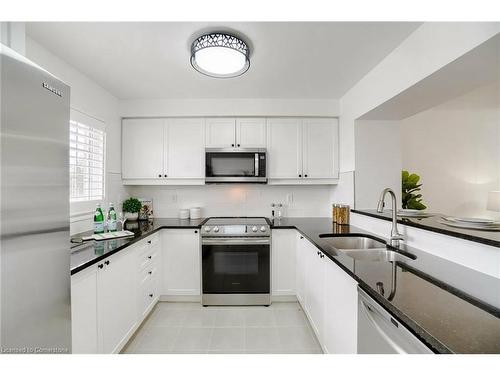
{"points": [[256, 165]]}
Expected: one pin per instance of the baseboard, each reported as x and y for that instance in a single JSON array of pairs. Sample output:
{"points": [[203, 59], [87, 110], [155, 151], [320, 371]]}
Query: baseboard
{"points": [[172, 298], [289, 298]]}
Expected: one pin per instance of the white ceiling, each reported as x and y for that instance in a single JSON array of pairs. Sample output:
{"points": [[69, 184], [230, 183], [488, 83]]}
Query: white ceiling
{"points": [[138, 60]]}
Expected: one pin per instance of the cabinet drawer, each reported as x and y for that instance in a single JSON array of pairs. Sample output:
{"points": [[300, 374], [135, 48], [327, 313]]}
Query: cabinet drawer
{"points": [[148, 273], [147, 257], [148, 295]]}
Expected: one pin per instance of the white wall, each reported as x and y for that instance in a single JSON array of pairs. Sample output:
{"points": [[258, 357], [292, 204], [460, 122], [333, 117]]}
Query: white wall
{"points": [[426, 50], [378, 161], [455, 148], [237, 199], [88, 97], [229, 107]]}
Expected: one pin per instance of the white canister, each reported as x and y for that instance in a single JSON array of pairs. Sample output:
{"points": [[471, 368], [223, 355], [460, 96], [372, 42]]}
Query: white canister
{"points": [[184, 213], [195, 213]]}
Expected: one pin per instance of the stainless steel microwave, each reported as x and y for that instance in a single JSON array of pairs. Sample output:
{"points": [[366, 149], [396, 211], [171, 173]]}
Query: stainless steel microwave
{"points": [[235, 165]]}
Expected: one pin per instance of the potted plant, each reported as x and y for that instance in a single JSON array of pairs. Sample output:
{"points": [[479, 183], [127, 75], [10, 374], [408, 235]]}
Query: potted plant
{"points": [[410, 187], [131, 208]]}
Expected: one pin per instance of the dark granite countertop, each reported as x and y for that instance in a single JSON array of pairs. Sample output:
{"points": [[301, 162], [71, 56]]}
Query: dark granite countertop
{"points": [[85, 254], [452, 308], [432, 224]]}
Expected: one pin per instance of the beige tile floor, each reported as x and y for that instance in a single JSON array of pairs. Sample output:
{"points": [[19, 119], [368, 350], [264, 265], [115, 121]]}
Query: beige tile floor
{"points": [[191, 328]]}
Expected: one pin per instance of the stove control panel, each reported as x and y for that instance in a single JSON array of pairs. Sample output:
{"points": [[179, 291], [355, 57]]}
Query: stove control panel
{"points": [[235, 230]]}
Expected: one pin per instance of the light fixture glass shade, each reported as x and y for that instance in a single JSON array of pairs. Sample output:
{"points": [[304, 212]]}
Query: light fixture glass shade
{"points": [[493, 201], [220, 55]]}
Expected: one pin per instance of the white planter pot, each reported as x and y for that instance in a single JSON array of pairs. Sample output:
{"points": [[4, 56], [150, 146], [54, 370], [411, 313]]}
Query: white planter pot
{"points": [[131, 216]]}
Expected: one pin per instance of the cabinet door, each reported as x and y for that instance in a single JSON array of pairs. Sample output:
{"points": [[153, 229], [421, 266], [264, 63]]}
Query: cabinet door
{"points": [[142, 148], [301, 270], [284, 147], [284, 243], [320, 148], [116, 291], [181, 262], [315, 286], [251, 132], [220, 132], [185, 148], [341, 310], [84, 312]]}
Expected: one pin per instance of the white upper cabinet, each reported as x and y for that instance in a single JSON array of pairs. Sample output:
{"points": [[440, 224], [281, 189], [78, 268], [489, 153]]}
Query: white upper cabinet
{"points": [[284, 148], [220, 132], [185, 148], [320, 148], [251, 132], [163, 151], [302, 150], [142, 148]]}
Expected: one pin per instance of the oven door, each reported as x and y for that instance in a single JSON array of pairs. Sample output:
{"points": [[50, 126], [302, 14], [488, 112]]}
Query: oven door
{"points": [[235, 166], [236, 266]]}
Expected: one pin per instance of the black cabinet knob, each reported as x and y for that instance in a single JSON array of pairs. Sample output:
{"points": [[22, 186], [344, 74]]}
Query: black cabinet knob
{"points": [[301, 237], [318, 253], [300, 175], [164, 175], [195, 231], [149, 257], [151, 295], [159, 175], [232, 144], [149, 241], [150, 272], [238, 145], [305, 175], [106, 263], [100, 266], [322, 256]]}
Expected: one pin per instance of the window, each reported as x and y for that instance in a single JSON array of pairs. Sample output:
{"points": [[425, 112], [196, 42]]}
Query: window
{"points": [[87, 142]]}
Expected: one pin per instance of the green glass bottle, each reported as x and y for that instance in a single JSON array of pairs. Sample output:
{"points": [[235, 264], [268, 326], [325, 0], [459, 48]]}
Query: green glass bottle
{"points": [[98, 220], [111, 218]]}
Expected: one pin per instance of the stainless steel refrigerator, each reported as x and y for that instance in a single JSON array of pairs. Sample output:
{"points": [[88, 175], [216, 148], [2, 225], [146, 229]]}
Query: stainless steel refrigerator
{"points": [[34, 219]]}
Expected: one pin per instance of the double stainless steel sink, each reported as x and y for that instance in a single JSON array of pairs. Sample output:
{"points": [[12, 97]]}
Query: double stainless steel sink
{"points": [[365, 248]]}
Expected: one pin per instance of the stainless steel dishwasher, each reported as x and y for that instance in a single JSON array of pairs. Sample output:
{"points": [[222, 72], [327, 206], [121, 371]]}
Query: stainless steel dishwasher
{"points": [[380, 333]]}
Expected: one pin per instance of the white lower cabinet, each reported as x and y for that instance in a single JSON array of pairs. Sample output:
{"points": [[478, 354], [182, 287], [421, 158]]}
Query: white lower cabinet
{"points": [[116, 304], [148, 275], [284, 243], [329, 298], [181, 257], [341, 311], [84, 311], [315, 287]]}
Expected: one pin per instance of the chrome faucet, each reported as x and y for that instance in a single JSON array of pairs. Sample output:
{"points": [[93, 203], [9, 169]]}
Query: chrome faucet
{"points": [[395, 235]]}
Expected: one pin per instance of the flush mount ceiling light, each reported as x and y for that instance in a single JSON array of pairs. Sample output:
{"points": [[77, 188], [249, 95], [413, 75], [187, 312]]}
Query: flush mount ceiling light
{"points": [[220, 55]]}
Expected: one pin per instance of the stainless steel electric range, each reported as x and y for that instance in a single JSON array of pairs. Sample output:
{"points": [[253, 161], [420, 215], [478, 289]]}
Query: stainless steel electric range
{"points": [[236, 261]]}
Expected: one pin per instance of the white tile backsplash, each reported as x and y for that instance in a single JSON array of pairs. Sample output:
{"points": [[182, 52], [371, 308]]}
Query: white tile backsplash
{"points": [[237, 199]]}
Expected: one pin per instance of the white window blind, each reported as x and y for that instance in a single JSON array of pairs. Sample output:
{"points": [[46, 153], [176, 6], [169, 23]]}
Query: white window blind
{"points": [[87, 142]]}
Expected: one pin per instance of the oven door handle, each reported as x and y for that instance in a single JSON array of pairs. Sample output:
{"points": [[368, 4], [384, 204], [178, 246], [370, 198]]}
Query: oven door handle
{"points": [[236, 241]]}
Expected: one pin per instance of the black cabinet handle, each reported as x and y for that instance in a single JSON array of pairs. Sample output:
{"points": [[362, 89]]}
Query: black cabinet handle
{"points": [[151, 295], [195, 231], [100, 266], [150, 272], [318, 253], [149, 241], [300, 175], [301, 237], [238, 145], [322, 256], [232, 144], [106, 263], [159, 175], [149, 257], [305, 175], [164, 175]]}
